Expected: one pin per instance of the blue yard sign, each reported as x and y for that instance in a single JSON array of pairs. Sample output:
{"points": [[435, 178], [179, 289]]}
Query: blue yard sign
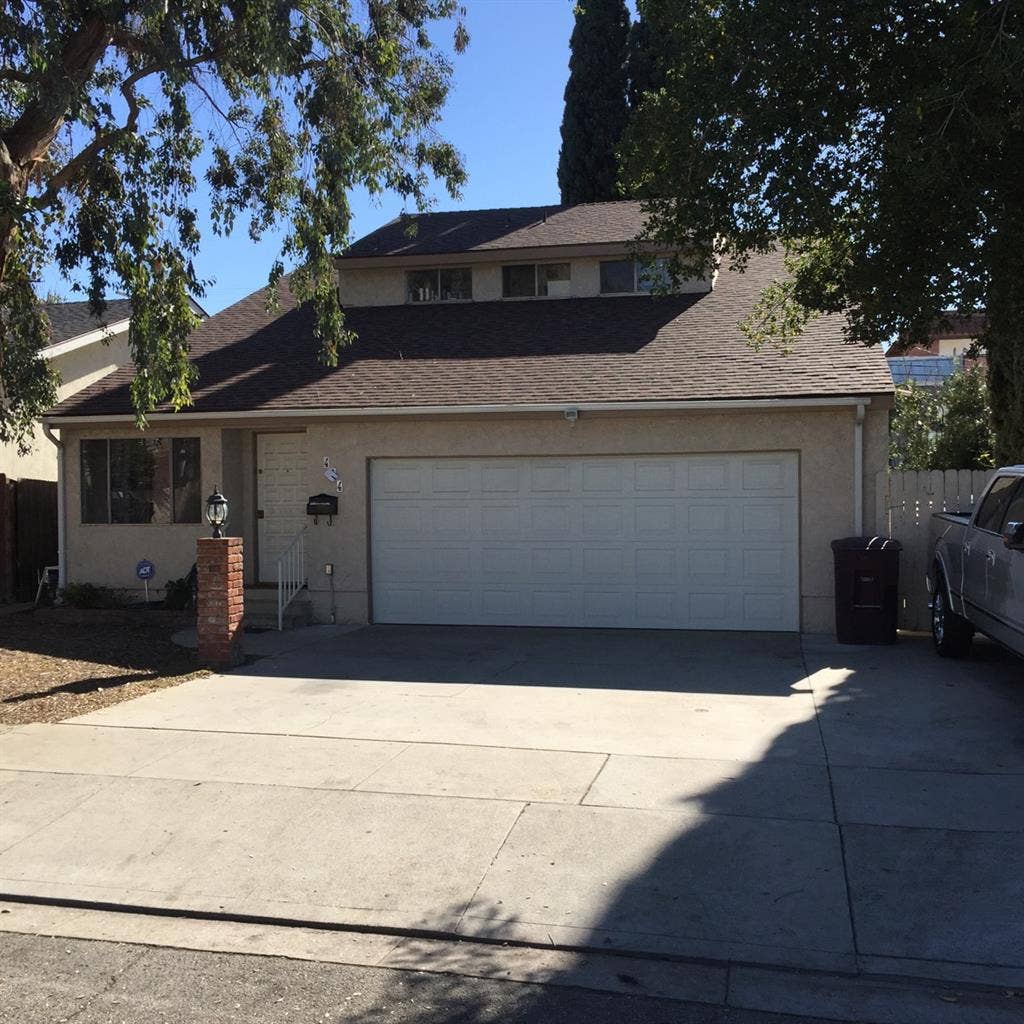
{"points": [[145, 570]]}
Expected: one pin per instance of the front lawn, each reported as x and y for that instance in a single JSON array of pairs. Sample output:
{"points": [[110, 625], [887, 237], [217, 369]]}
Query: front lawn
{"points": [[58, 663]]}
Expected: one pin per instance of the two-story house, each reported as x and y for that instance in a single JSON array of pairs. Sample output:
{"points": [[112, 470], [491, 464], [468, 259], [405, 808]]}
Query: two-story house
{"points": [[524, 434]]}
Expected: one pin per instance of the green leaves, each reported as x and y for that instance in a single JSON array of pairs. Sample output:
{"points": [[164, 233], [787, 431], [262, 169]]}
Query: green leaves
{"points": [[881, 146], [944, 428], [103, 114]]}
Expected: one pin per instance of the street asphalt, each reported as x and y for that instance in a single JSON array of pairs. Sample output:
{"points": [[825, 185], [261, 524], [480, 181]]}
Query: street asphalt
{"points": [[49, 980]]}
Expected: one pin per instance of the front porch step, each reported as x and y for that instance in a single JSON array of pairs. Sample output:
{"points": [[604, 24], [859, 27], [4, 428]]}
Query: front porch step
{"points": [[261, 609]]}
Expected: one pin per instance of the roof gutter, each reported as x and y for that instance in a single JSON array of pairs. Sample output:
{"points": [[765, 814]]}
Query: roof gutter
{"points": [[472, 410]]}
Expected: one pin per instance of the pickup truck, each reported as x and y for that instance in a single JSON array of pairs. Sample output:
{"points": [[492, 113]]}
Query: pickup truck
{"points": [[976, 574]]}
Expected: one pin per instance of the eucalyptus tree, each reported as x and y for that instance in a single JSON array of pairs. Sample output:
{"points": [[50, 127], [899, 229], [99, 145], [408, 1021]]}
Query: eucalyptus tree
{"points": [[114, 116]]}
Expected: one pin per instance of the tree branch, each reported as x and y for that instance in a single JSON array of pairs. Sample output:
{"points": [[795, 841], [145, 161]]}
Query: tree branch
{"points": [[14, 75], [71, 170], [78, 163]]}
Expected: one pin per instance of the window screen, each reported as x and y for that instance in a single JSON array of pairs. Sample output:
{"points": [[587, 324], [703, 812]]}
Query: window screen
{"points": [[141, 480], [188, 501], [553, 279], [422, 285], [456, 283], [653, 276], [95, 486], [439, 285], [519, 281], [618, 276]]}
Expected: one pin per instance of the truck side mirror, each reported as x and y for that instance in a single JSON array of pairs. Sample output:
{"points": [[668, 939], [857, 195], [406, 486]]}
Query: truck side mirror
{"points": [[1013, 536]]}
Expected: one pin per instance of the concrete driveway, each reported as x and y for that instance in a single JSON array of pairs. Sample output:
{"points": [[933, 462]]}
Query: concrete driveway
{"points": [[740, 797]]}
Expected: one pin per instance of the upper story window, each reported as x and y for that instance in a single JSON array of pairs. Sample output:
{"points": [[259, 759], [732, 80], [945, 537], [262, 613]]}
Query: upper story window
{"points": [[141, 480], [526, 280], [626, 277], [442, 284]]}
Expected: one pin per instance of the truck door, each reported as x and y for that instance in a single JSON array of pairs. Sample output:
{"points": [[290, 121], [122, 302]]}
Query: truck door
{"points": [[983, 547], [1006, 580]]}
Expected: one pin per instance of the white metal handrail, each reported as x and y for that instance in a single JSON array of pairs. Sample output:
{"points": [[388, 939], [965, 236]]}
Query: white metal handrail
{"points": [[291, 573]]}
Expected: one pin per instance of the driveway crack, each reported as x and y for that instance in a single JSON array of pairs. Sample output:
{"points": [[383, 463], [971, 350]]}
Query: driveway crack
{"points": [[832, 797], [486, 871]]}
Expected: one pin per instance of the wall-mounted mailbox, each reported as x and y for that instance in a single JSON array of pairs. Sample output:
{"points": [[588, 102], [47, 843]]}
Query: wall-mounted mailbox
{"points": [[322, 505]]}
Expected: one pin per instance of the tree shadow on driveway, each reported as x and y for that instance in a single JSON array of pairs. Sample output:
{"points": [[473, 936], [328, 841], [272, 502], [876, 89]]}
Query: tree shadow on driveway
{"points": [[693, 879]]}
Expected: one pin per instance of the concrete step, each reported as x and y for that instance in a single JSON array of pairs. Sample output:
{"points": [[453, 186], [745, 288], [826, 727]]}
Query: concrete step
{"points": [[261, 609]]}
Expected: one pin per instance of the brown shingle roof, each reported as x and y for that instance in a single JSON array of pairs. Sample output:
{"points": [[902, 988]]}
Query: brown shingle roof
{"points": [[73, 319], [628, 349], [513, 228]]}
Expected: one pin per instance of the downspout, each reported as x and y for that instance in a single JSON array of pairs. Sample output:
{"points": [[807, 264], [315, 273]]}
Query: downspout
{"points": [[62, 575], [858, 472]]}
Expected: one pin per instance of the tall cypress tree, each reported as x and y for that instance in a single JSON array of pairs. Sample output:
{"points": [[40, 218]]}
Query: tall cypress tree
{"points": [[596, 108], [643, 69]]}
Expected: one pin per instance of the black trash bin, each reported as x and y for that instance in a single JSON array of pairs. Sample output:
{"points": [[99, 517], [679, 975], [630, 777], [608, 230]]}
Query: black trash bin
{"points": [[867, 589]]}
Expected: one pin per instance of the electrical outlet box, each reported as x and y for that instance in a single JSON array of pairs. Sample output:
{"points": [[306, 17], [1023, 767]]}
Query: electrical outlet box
{"points": [[328, 568]]}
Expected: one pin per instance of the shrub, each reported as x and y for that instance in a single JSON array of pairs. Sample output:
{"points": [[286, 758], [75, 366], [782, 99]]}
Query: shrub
{"points": [[88, 595], [179, 594]]}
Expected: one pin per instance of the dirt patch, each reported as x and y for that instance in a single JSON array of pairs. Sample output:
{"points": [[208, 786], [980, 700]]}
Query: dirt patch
{"points": [[56, 664]]}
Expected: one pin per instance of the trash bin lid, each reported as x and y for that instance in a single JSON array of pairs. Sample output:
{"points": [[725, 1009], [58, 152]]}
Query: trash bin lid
{"points": [[866, 544]]}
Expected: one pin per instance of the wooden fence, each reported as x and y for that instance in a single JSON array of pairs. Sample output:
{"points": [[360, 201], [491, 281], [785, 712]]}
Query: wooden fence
{"points": [[905, 503], [28, 535]]}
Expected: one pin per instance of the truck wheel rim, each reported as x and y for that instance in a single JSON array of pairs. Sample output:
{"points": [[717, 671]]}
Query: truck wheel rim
{"points": [[939, 616]]}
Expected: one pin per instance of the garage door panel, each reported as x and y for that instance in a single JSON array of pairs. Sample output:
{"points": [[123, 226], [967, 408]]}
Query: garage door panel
{"points": [[651, 542]]}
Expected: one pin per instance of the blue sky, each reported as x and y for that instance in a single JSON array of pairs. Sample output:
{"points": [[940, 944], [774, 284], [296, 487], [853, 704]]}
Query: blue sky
{"points": [[503, 114]]}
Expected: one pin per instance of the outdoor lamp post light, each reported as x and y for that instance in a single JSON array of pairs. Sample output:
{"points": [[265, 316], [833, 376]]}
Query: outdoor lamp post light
{"points": [[217, 511]]}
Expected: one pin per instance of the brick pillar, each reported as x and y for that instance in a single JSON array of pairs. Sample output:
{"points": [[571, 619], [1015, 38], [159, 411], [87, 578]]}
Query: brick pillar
{"points": [[220, 601]]}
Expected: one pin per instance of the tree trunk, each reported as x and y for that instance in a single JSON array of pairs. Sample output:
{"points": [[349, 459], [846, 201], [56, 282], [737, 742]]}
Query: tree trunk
{"points": [[1004, 332], [25, 144], [1004, 341]]}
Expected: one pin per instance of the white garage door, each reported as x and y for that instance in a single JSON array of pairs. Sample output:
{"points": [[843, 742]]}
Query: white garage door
{"points": [[678, 542]]}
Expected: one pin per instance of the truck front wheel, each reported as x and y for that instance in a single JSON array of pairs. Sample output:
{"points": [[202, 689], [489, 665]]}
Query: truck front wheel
{"points": [[952, 633]]}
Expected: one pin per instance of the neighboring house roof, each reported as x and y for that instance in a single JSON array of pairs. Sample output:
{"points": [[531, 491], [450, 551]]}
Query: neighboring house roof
{"points": [[929, 371], [954, 326], [571, 351], [72, 319], [523, 227], [949, 327], [73, 324]]}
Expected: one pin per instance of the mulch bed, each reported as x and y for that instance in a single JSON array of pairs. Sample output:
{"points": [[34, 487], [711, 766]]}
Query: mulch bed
{"points": [[57, 663]]}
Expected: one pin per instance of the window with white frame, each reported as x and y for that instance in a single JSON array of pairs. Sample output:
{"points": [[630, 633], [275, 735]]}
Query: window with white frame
{"points": [[140, 480], [628, 277], [439, 284], [529, 280]]}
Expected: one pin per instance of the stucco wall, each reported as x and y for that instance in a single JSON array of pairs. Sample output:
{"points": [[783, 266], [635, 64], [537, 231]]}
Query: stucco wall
{"points": [[823, 438], [106, 554], [386, 287], [78, 369]]}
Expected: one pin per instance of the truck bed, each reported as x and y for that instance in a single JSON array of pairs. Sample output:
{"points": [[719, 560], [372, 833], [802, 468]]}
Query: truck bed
{"points": [[962, 518]]}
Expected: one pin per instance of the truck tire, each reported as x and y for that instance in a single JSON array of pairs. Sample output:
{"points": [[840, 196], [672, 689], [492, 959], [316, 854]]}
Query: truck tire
{"points": [[951, 633]]}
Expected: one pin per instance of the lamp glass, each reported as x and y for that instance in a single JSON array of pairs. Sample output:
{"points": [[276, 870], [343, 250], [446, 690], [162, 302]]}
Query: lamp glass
{"points": [[216, 511]]}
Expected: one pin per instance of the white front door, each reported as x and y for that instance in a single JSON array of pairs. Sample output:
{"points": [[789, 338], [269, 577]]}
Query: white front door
{"points": [[654, 541], [280, 496]]}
